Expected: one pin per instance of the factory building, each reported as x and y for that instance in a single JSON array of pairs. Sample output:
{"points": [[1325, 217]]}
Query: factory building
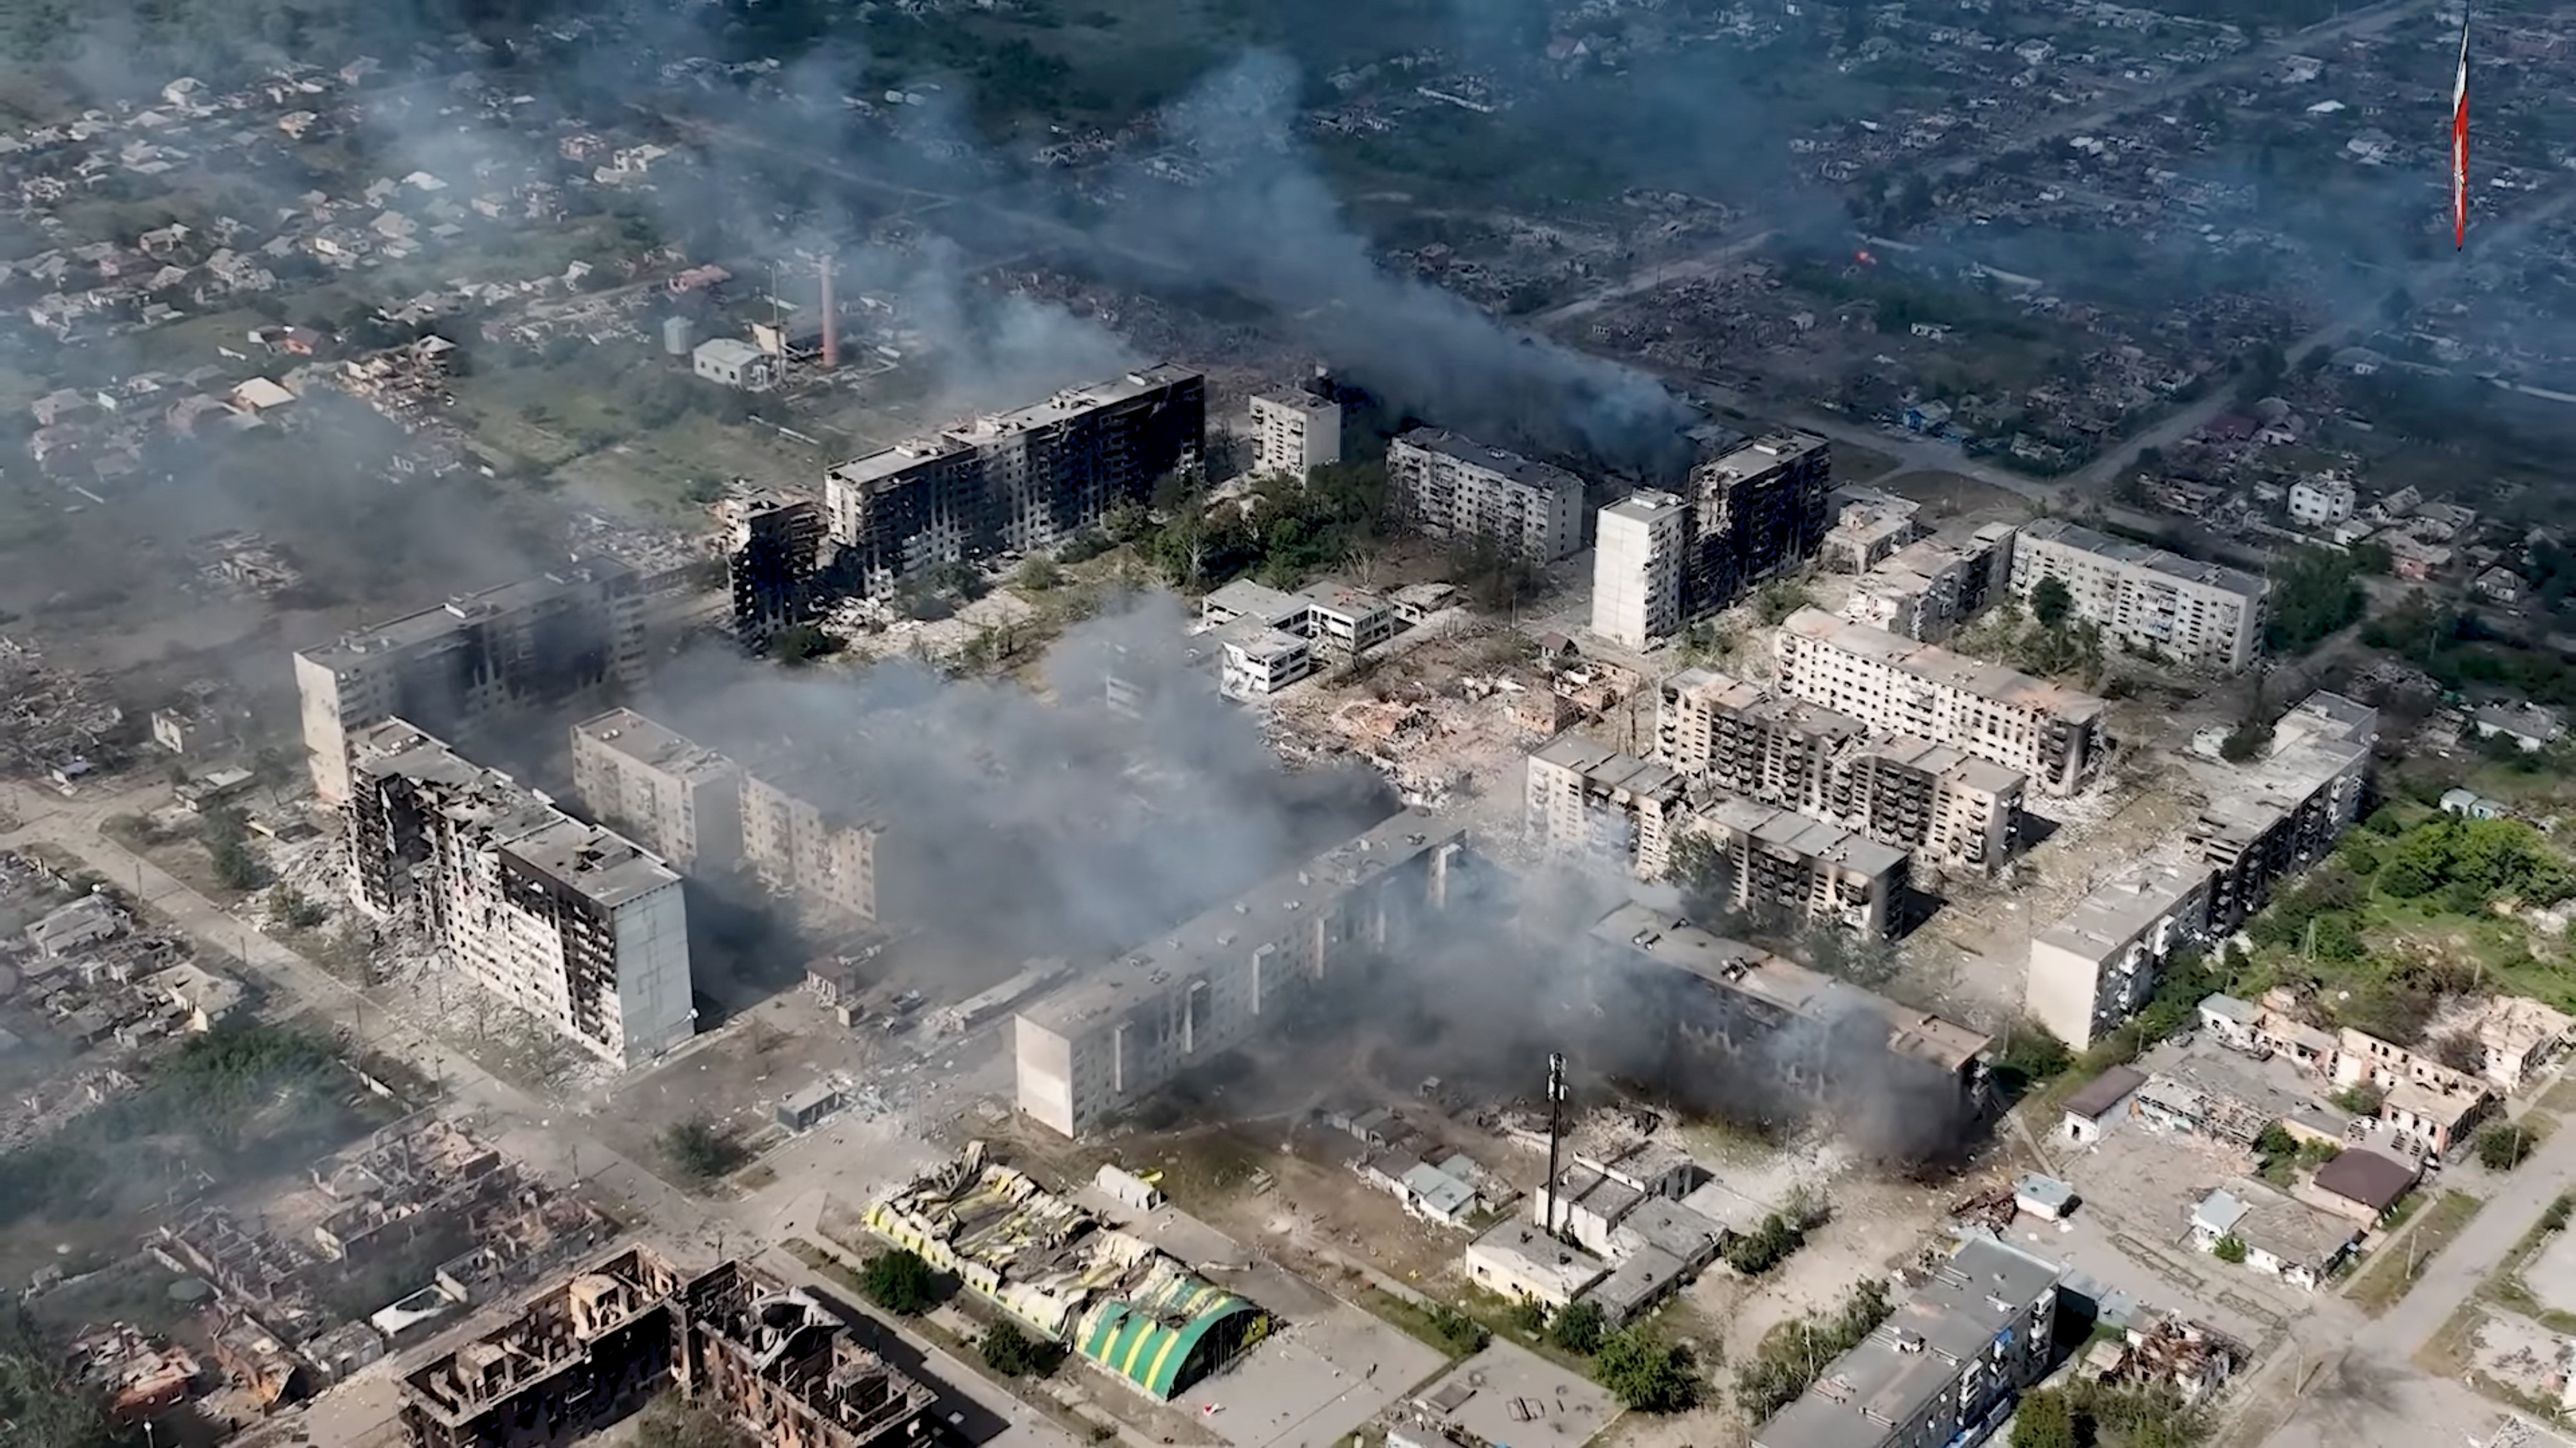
{"points": [[1014, 481], [542, 643], [677, 798], [1589, 802], [1763, 1026], [2098, 965], [1949, 810], [1789, 866], [1752, 515], [766, 1358], [2273, 817], [1945, 1368], [1637, 569], [1108, 1042], [1294, 432], [1449, 486], [1897, 686], [1927, 590], [773, 550], [2146, 598], [570, 923]]}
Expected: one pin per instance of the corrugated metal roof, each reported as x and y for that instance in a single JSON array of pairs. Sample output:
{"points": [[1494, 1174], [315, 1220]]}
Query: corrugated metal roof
{"points": [[1152, 1337]]}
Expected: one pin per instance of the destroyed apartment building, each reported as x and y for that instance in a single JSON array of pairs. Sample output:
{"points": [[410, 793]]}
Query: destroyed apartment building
{"points": [[537, 644], [1776, 1041], [1014, 481], [1951, 811], [773, 549], [1744, 518], [762, 1356], [1897, 686], [571, 924], [1113, 1298], [1110, 1040], [708, 813]]}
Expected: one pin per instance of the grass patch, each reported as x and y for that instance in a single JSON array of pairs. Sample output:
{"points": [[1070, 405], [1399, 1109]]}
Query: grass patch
{"points": [[2395, 1267], [1419, 1320]]}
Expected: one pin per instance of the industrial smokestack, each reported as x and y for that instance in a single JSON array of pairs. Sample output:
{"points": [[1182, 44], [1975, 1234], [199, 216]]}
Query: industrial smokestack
{"points": [[831, 317], [1555, 1133]]}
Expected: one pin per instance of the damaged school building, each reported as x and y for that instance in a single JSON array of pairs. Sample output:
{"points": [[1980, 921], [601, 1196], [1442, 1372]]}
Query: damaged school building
{"points": [[2266, 820], [534, 645], [1114, 1299], [765, 1357], [572, 924], [1013, 481]]}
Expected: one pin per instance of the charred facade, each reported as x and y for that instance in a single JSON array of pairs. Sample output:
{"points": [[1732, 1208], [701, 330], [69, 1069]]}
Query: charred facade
{"points": [[773, 557]]}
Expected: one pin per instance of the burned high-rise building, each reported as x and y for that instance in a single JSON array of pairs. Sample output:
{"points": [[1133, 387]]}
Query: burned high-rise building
{"points": [[773, 552], [545, 642], [568, 922], [1014, 480], [759, 1354], [1754, 514]]}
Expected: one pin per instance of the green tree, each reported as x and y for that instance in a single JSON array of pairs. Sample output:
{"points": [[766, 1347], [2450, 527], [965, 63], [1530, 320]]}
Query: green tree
{"points": [[2228, 1249], [2314, 593], [2050, 603], [1464, 1336], [2044, 1420], [902, 1283], [1015, 1354], [2504, 1145], [1647, 1374], [1579, 1329], [2276, 1140]]}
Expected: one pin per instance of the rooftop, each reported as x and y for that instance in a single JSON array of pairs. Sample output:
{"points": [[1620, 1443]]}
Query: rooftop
{"points": [[1296, 397], [2374, 1179], [1260, 916], [1607, 768], [1343, 598], [598, 864], [1257, 640], [2283, 1227], [1644, 505], [1933, 664], [1537, 1257], [1757, 457], [463, 612], [1783, 985], [2097, 1096], [2104, 922], [2326, 736], [627, 733], [1244, 598], [1942, 761], [1512, 465], [2172, 565], [1805, 836]]}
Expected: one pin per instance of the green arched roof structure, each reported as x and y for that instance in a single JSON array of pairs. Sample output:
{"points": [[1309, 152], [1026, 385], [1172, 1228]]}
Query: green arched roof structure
{"points": [[1174, 1331]]}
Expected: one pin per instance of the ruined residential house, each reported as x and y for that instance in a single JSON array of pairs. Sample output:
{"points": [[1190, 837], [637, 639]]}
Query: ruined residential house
{"points": [[572, 924], [541, 643], [764, 1356], [1014, 481]]}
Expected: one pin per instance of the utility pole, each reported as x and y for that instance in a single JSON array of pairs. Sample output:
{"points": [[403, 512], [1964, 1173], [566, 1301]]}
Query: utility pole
{"points": [[1555, 1131]]}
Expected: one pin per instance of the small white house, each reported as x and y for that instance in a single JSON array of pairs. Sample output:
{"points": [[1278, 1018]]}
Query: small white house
{"points": [[734, 363]]}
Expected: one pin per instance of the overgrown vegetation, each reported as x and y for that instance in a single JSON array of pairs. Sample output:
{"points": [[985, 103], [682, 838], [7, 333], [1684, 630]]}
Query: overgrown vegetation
{"points": [[1580, 1328], [227, 836], [241, 1096], [42, 1403], [2315, 592], [2504, 1145], [1648, 1374], [1793, 1354], [1462, 1335], [2230, 1248], [903, 1283], [2068, 648], [1014, 1354], [1779, 1235], [2085, 1414]]}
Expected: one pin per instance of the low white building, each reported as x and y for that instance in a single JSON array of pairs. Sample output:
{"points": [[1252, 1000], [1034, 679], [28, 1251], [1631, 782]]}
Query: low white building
{"points": [[1259, 660], [1516, 1260], [2321, 501], [2529, 726], [734, 363]]}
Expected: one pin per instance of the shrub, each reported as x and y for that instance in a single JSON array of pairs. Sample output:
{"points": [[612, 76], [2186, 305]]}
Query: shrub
{"points": [[902, 1283], [2229, 1249], [1647, 1374], [2504, 1145], [1579, 1329], [1464, 1336], [698, 1151], [1015, 1354]]}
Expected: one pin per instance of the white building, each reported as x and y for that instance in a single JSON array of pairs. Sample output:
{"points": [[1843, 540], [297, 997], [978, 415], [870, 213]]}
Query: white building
{"points": [[2146, 598], [544, 642], [1294, 432], [1258, 660], [2321, 501], [1637, 569], [1927, 589], [1589, 801], [1897, 686], [1099, 1047], [2530, 727], [1453, 487], [571, 924], [734, 363], [2094, 968]]}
